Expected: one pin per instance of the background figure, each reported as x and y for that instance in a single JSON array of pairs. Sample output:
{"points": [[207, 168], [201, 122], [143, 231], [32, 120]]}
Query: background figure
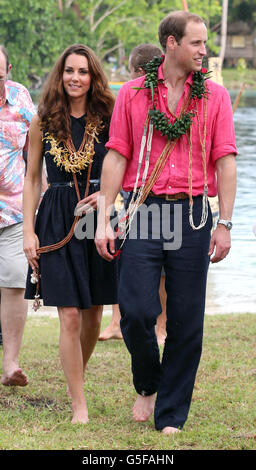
{"points": [[70, 132], [16, 112], [139, 57]]}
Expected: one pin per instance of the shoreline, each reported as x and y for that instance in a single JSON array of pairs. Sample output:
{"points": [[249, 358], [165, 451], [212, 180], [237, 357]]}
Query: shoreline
{"points": [[211, 309]]}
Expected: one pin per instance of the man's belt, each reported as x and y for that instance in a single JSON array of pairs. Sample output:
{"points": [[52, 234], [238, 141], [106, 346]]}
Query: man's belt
{"points": [[169, 197]]}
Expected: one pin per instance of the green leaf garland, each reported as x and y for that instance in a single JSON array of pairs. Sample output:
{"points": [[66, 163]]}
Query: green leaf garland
{"points": [[158, 118]]}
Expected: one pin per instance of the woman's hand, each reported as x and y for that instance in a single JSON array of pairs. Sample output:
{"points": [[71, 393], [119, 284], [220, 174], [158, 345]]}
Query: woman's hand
{"points": [[30, 245], [88, 204]]}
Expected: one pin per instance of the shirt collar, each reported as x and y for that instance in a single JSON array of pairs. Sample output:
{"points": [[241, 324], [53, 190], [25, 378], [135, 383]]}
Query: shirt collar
{"points": [[10, 97], [189, 80]]}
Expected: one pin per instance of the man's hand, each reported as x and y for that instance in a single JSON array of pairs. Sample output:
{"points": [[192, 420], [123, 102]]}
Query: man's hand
{"points": [[105, 242], [221, 243]]}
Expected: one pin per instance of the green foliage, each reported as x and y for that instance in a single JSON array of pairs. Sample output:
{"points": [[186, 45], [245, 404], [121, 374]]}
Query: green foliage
{"points": [[35, 32], [241, 65], [243, 10]]}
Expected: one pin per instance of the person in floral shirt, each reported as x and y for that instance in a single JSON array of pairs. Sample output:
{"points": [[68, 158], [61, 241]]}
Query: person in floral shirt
{"points": [[16, 112]]}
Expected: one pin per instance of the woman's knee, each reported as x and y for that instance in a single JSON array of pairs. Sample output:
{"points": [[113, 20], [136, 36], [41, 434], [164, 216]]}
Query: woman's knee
{"points": [[70, 319], [93, 316]]}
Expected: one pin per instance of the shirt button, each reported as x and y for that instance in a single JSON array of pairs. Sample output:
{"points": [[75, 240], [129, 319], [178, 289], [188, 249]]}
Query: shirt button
{"points": [[169, 187], [164, 96], [173, 165]]}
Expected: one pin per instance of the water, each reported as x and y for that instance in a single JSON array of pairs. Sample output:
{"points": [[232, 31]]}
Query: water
{"points": [[231, 283]]}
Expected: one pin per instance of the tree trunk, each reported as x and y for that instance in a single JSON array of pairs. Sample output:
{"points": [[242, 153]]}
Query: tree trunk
{"points": [[185, 6], [223, 37]]}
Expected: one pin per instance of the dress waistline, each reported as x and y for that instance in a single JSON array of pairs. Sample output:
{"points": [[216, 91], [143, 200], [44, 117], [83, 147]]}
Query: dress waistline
{"points": [[71, 183]]}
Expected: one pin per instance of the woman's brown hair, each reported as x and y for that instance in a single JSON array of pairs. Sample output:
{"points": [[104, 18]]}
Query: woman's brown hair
{"points": [[53, 108]]}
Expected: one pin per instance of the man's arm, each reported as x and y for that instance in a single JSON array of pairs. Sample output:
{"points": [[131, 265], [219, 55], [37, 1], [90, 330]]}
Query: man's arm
{"points": [[113, 170], [226, 180]]}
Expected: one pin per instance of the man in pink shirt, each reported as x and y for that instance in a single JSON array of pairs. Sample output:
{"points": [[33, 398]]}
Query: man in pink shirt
{"points": [[171, 134]]}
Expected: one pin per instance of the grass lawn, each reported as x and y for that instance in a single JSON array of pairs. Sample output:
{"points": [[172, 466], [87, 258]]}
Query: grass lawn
{"points": [[222, 415], [233, 79]]}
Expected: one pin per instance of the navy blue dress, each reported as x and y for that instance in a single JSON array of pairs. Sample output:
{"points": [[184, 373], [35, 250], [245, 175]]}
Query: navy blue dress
{"points": [[74, 275]]}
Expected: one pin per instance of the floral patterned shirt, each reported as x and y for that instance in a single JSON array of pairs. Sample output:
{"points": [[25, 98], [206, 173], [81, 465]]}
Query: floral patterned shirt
{"points": [[16, 112]]}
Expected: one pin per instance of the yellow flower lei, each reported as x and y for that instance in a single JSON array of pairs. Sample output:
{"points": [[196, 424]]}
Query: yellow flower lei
{"points": [[65, 154]]}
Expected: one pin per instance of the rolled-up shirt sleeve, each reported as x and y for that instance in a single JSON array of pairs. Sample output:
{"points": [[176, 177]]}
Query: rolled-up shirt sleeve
{"points": [[223, 142], [120, 132]]}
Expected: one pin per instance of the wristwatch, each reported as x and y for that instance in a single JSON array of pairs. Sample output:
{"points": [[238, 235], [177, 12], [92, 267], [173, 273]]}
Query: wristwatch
{"points": [[228, 224]]}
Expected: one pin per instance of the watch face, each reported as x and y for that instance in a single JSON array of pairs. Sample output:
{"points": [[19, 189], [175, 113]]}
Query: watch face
{"points": [[228, 224]]}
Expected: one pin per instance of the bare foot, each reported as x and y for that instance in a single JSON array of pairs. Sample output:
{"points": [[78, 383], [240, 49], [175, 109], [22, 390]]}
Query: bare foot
{"points": [[170, 430], [160, 337], [143, 408], [80, 415], [16, 378], [111, 332]]}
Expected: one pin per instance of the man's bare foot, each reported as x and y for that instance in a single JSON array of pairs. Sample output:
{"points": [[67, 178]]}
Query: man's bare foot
{"points": [[170, 430], [16, 378], [143, 408], [111, 332], [80, 415]]}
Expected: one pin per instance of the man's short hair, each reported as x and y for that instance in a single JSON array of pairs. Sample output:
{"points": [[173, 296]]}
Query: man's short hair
{"points": [[5, 53], [175, 24], [142, 54]]}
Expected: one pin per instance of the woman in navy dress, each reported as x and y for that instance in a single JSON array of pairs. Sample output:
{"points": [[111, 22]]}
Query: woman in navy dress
{"points": [[70, 132]]}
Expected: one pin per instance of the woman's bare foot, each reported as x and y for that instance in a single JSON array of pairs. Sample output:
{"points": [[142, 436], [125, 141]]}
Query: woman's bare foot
{"points": [[143, 408], [15, 378], [111, 332], [170, 430], [80, 414]]}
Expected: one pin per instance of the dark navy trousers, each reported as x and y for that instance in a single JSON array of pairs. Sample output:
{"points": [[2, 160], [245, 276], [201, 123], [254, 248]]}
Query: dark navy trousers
{"points": [[185, 269]]}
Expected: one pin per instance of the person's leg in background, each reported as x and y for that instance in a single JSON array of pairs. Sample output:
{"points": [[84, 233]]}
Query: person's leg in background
{"points": [[13, 272], [13, 317]]}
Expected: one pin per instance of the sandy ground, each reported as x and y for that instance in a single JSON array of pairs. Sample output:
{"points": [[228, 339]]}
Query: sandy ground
{"points": [[213, 306]]}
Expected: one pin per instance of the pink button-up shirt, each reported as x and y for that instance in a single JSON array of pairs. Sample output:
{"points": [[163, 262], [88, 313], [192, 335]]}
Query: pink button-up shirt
{"points": [[126, 131]]}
